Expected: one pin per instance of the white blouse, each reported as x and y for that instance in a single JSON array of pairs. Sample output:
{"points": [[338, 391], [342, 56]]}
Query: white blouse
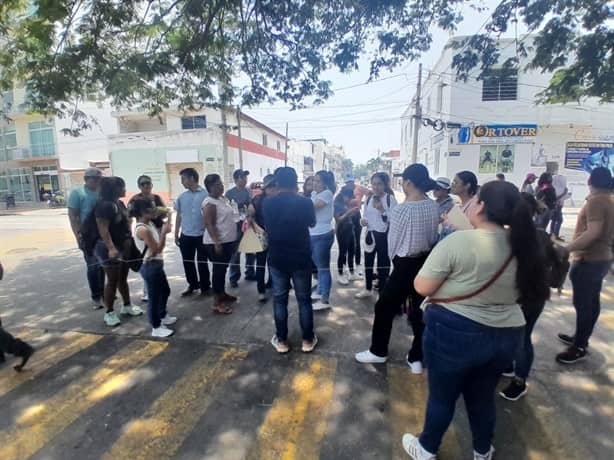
{"points": [[225, 222]]}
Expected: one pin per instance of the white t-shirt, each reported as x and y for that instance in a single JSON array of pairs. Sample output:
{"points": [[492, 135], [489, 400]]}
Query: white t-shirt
{"points": [[140, 244], [375, 222], [324, 215], [226, 220], [559, 183]]}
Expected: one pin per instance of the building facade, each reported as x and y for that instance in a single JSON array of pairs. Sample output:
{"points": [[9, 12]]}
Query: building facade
{"points": [[497, 127]]}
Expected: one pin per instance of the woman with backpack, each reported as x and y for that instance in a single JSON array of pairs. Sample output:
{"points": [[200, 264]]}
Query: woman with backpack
{"points": [[375, 217], [344, 214], [150, 242], [474, 325], [546, 195], [557, 265], [113, 248]]}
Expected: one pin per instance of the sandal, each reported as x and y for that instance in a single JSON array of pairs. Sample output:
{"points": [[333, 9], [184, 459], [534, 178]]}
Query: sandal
{"points": [[229, 298], [222, 309]]}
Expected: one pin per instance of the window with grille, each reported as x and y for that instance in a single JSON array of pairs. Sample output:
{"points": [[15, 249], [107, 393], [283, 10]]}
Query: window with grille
{"points": [[195, 122], [500, 85], [42, 141]]}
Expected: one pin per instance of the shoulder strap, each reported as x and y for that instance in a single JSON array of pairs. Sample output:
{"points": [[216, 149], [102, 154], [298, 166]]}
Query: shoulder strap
{"points": [[490, 282], [388, 199], [144, 244]]}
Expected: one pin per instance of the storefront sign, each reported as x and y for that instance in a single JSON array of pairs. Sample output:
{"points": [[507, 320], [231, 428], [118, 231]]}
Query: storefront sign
{"points": [[586, 156], [498, 134], [454, 154]]}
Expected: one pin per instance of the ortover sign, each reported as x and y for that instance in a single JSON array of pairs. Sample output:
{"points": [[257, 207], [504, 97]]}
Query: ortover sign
{"points": [[497, 134]]}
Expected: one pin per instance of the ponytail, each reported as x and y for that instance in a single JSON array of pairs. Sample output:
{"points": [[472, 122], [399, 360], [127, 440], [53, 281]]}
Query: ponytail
{"points": [[328, 178], [505, 206]]}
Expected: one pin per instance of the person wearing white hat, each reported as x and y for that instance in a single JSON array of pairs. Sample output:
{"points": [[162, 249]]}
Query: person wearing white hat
{"points": [[442, 195]]}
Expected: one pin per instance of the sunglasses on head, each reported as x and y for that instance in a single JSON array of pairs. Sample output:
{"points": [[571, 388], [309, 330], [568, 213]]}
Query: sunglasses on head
{"points": [[142, 184]]}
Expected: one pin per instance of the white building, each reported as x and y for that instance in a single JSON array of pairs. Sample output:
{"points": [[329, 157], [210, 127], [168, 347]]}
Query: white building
{"points": [[502, 128], [35, 153]]}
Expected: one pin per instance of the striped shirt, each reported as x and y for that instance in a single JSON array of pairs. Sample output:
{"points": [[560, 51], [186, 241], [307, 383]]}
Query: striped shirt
{"points": [[413, 228]]}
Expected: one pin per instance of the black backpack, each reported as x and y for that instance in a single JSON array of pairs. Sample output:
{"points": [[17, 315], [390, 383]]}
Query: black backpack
{"points": [[89, 232]]}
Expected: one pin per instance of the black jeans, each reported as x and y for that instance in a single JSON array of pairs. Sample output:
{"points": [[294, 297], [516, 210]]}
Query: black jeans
{"points": [[345, 240], [524, 356], [357, 233], [587, 280], [557, 220], [95, 276], [383, 261], [220, 265], [158, 291], [261, 263], [192, 248], [400, 286]]}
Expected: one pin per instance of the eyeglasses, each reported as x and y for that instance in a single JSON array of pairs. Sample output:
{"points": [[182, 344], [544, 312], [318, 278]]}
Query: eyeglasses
{"points": [[143, 184]]}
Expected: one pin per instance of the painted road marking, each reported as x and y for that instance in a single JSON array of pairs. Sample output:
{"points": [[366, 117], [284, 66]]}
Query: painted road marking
{"points": [[172, 417], [45, 358], [39, 424], [408, 396], [295, 425]]}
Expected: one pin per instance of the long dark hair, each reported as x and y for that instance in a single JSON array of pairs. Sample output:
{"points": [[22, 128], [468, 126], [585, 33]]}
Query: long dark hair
{"points": [[544, 179], [504, 206], [385, 178], [328, 179], [344, 193], [111, 188], [467, 177]]}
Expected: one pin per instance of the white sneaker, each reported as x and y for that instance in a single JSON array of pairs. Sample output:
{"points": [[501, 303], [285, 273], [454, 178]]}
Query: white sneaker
{"points": [[131, 310], [364, 294], [366, 357], [168, 320], [354, 277], [144, 298], [414, 449], [315, 297], [262, 298], [487, 456], [358, 270], [319, 305], [343, 280], [111, 319], [162, 332], [97, 304], [314, 283], [416, 367]]}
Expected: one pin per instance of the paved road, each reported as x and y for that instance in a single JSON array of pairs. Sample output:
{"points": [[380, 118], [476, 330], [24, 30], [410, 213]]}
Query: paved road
{"points": [[217, 390]]}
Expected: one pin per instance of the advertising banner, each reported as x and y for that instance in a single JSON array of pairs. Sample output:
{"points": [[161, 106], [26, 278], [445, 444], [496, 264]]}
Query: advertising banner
{"points": [[496, 159], [498, 134], [586, 156]]}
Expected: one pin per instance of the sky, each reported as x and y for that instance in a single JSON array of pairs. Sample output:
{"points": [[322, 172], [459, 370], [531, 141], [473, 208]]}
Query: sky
{"points": [[364, 117]]}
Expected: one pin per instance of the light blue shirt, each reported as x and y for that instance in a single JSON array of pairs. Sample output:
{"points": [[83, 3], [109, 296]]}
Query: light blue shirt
{"points": [[324, 215], [188, 206], [82, 199]]}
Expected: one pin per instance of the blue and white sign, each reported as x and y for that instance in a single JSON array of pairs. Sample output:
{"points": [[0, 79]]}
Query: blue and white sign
{"points": [[498, 134]]}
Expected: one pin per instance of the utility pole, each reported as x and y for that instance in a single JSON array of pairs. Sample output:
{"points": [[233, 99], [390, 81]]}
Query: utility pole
{"points": [[225, 147], [286, 148], [240, 137], [417, 117]]}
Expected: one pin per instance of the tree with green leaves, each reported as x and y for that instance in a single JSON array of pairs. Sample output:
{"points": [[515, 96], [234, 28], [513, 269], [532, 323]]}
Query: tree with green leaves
{"points": [[154, 54]]}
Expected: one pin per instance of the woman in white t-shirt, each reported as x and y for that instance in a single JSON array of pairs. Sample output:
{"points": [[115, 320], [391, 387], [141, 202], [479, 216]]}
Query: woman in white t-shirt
{"points": [[322, 234], [375, 218], [150, 241], [220, 219]]}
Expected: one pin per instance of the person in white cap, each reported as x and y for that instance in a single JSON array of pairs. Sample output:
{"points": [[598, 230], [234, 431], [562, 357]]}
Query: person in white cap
{"points": [[81, 202], [442, 195]]}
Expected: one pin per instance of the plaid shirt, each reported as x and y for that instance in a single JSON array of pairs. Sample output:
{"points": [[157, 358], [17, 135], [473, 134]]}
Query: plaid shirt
{"points": [[413, 228]]}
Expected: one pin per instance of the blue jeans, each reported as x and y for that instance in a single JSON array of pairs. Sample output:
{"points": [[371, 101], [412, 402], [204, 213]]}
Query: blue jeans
{"points": [[158, 290], [95, 276], [557, 220], [301, 279], [463, 357], [524, 356], [320, 253], [587, 280]]}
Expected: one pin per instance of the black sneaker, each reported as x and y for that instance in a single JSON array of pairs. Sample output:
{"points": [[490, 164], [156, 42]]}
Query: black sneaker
{"points": [[572, 355], [566, 339], [514, 391], [206, 292], [25, 352], [188, 292]]}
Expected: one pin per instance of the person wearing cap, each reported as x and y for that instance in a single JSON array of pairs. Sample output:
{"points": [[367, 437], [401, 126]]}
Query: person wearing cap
{"points": [[242, 197], [527, 185], [81, 202], [287, 219], [376, 219], [412, 235], [359, 193], [591, 250], [442, 195], [189, 231], [256, 218]]}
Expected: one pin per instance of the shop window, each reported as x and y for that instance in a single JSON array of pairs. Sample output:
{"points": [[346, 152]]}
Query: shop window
{"points": [[500, 85], [42, 143], [8, 143], [195, 122]]}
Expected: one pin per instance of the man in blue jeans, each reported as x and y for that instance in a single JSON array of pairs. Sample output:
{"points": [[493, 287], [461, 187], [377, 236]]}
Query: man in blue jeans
{"points": [[287, 217], [81, 202], [591, 249]]}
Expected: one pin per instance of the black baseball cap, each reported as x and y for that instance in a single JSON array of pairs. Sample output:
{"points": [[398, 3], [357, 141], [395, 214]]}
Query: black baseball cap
{"points": [[419, 176], [600, 177], [239, 173], [286, 177]]}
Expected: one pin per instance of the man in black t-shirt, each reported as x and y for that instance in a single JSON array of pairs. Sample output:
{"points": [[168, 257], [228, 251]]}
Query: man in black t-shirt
{"points": [[287, 217]]}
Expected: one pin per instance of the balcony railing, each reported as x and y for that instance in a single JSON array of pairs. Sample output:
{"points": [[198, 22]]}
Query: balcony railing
{"points": [[28, 153]]}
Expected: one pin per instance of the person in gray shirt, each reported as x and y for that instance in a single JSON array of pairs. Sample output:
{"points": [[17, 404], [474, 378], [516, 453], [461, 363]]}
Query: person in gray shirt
{"points": [[242, 197]]}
